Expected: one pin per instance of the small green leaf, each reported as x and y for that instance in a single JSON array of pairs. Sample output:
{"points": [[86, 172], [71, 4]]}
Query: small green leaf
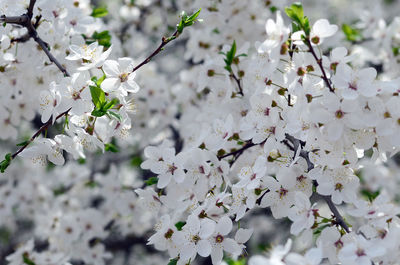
{"points": [[110, 104], [370, 195], [273, 9], [179, 225], [396, 51], [5, 163], [103, 38], [81, 161], [24, 143], [115, 115], [111, 148], [306, 26], [186, 20], [99, 12], [98, 113], [193, 17], [27, 260], [151, 181], [98, 96], [351, 34], [173, 261], [8, 157], [231, 261], [136, 161]]}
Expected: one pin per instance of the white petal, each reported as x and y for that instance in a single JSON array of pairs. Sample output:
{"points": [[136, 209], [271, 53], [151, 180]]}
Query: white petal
{"points": [[111, 68], [224, 225], [204, 248]]}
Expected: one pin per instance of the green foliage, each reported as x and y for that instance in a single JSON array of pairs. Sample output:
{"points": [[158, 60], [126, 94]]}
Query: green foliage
{"points": [[187, 21], [136, 161], [231, 57], [27, 260], [179, 225], [99, 11], [111, 147], [370, 195], [241, 261], [351, 34], [296, 14], [103, 38], [102, 105], [24, 143], [5, 163], [173, 261], [151, 181]]}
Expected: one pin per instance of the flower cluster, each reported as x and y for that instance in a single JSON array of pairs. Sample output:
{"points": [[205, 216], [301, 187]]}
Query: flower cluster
{"points": [[261, 124]]}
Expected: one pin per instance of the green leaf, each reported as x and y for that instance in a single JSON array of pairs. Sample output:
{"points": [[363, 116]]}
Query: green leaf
{"points": [[27, 260], [103, 38], [231, 261], [193, 17], [99, 12], [306, 26], [186, 20], [179, 225], [98, 96], [81, 161], [173, 261], [24, 143], [151, 181], [370, 195], [273, 9], [100, 80], [396, 51], [295, 12], [115, 115], [111, 148], [5, 163], [110, 104], [351, 34], [98, 113], [136, 161]]}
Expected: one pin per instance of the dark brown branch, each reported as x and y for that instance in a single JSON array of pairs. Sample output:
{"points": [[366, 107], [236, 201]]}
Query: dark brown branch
{"points": [[164, 41], [30, 8], [339, 219], [319, 62], [25, 21], [18, 20], [305, 155], [43, 128], [239, 151], [238, 83]]}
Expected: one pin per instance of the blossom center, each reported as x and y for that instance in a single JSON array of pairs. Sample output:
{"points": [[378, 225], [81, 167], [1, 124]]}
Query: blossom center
{"points": [[169, 233], [219, 238], [123, 77]]}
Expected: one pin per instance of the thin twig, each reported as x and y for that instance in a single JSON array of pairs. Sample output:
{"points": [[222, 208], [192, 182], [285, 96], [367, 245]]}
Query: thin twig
{"points": [[239, 151], [238, 83], [319, 62], [30, 8], [305, 155], [164, 42], [339, 219], [38, 132]]}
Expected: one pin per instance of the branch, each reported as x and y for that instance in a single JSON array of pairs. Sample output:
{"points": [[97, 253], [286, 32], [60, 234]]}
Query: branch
{"points": [[41, 129], [30, 8], [319, 62], [238, 83], [339, 219], [25, 21], [164, 41], [305, 155]]}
